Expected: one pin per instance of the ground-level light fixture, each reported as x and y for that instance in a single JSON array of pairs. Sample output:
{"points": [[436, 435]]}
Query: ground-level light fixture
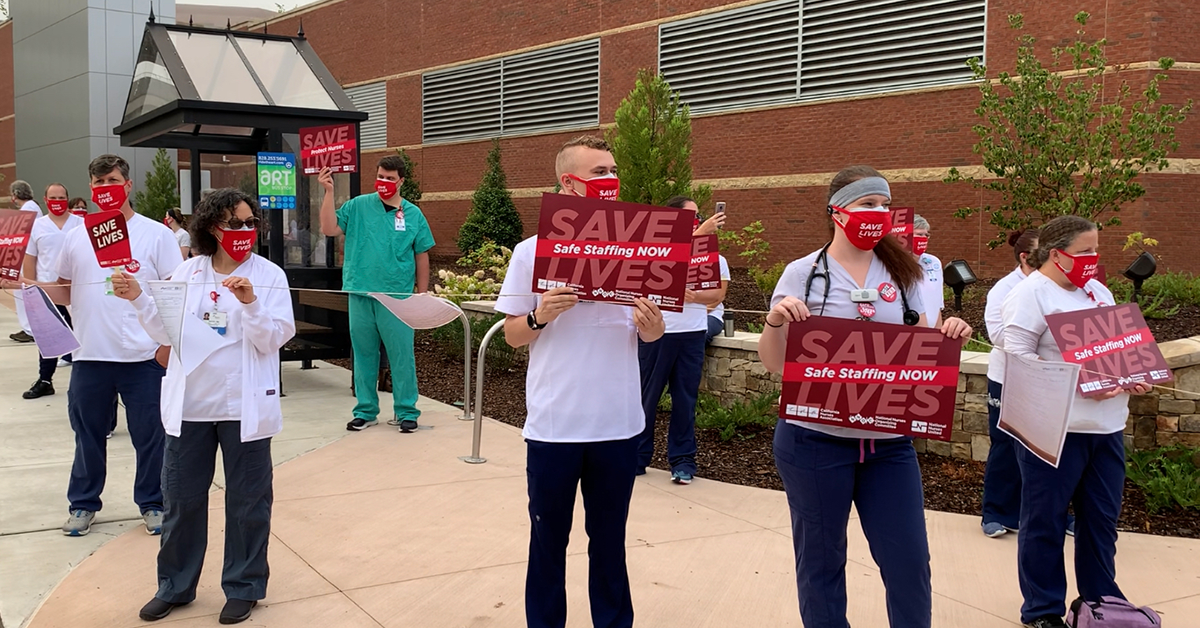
{"points": [[958, 276], [1139, 271]]}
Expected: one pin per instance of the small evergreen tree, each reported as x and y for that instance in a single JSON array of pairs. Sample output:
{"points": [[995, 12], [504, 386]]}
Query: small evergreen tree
{"points": [[161, 188], [493, 214], [410, 190], [652, 144]]}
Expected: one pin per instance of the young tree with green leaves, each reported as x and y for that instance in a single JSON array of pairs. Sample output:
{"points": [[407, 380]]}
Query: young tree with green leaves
{"points": [[410, 190], [493, 214], [1053, 143], [161, 188], [652, 144]]}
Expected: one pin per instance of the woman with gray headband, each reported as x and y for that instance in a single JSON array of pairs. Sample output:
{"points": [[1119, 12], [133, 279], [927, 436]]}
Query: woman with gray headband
{"points": [[827, 468]]}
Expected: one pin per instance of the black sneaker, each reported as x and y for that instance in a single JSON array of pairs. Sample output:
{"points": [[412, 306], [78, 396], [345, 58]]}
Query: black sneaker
{"points": [[360, 424], [1047, 621], [40, 388], [156, 609], [236, 611], [408, 426], [21, 336]]}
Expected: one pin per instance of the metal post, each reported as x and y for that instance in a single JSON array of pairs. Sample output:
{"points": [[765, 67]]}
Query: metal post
{"points": [[479, 369], [466, 323]]}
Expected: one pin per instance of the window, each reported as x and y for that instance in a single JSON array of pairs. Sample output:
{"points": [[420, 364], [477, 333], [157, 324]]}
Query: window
{"points": [[552, 89], [372, 100], [794, 50]]}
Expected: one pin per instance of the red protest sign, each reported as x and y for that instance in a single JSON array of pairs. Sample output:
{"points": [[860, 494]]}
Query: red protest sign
{"points": [[1112, 345], [895, 379], [704, 269], [332, 147], [110, 238], [15, 226], [613, 252], [902, 226]]}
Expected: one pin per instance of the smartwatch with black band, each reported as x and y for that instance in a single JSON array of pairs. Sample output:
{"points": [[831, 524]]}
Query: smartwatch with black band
{"points": [[532, 320]]}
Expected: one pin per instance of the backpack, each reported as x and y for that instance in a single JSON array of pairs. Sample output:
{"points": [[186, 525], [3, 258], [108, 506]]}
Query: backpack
{"points": [[1110, 612]]}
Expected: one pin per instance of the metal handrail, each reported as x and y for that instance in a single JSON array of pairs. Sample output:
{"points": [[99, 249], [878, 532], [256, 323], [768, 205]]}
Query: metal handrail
{"points": [[466, 323], [479, 371]]}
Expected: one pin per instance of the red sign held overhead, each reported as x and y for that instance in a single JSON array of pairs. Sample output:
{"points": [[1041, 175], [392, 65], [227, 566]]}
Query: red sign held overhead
{"points": [[613, 252], [1113, 345], [704, 269], [870, 376], [110, 238], [332, 147], [15, 226]]}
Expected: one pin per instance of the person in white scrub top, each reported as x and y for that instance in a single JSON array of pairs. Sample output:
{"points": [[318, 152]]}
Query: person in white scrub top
{"points": [[931, 289], [21, 194]]}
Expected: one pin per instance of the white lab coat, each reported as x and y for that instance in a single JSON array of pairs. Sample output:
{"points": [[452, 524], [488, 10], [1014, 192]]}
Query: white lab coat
{"points": [[267, 324]]}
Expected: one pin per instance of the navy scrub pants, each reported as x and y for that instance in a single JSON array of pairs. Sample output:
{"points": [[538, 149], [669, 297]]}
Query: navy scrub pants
{"points": [[48, 366], [1002, 476], [1090, 477], [822, 476], [187, 476], [91, 406], [555, 472], [674, 362]]}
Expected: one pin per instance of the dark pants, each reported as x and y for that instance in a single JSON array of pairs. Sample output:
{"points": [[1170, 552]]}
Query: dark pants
{"points": [[91, 406], [715, 326], [47, 366], [822, 476], [187, 476], [1002, 477], [555, 471], [1090, 476], [674, 362]]}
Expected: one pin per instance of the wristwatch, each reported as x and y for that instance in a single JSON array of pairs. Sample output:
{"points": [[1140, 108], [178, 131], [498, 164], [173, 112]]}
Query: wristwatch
{"points": [[532, 320]]}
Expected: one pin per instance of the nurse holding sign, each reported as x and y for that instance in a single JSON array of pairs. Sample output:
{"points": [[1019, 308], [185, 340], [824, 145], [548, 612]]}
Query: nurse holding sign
{"points": [[860, 274]]}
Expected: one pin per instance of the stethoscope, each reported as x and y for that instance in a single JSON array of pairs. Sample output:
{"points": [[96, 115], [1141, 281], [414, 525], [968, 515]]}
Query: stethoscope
{"points": [[911, 317]]}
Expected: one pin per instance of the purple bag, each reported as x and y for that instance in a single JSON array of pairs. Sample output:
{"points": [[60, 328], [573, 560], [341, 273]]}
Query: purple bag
{"points": [[1110, 612]]}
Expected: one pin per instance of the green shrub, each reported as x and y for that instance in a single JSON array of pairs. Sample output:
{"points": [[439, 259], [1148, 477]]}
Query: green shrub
{"points": [[978, 343], [491, 263], [1169, 477], [493, 214], [664, 402], [733, 420], [754, 328], [1181, 288], [767, 278]]}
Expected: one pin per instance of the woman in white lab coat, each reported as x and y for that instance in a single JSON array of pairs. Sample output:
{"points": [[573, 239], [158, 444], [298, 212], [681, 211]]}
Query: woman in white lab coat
{"points": [[226, 319]]}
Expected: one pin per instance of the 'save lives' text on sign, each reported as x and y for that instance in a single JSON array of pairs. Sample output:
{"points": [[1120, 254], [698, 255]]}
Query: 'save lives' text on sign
{"points": [[1112, 345]]}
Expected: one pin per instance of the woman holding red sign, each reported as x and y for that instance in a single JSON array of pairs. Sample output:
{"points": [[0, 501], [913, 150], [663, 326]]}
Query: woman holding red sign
{"points": [[1091, 469], [863, 274]]}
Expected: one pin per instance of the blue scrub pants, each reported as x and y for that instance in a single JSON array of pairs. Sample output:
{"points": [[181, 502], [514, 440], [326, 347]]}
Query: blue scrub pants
{"points": [[674, 362], [822, 476], [91, 407], [1002, 476], [555, 472], [1090, 477], [715, 326]]}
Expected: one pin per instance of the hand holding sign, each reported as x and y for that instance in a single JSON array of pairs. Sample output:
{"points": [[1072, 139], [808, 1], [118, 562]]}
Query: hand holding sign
{"points": [[788, 310], [110, 238], [554, 303], [125, 286], [649, 320]]}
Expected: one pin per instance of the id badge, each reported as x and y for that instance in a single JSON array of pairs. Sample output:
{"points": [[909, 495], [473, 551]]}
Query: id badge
{"points": [[216, 320], [400, 222]]}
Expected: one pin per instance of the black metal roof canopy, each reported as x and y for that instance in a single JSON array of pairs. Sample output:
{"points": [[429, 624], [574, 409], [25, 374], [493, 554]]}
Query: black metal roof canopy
{"points": [[223, 91]]}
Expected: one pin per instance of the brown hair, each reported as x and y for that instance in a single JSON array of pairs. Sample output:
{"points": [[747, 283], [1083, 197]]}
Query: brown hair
{"points": [[1023, 241], [898, 261], [105, 164], [585, 141], [678, 201], [73, 203], [175, 214], [1058, 234], [394, 163]]}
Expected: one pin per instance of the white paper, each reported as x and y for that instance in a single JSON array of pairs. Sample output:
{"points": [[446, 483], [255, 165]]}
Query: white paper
{"points": [[50, 331], [421, 311], [170, 298], [1035, 405]]}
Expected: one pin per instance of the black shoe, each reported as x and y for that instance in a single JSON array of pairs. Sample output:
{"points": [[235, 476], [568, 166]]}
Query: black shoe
{"points": [[156, 609], [40, 388], [408, 426], [21, 336], [236, 611], [359, 424], [1047, 621]]}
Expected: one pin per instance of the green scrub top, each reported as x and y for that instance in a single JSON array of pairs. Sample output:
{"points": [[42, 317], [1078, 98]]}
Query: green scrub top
{"points": [[380, 256]]}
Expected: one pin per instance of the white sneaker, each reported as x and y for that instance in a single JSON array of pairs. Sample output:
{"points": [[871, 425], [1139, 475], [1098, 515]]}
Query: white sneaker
{"points": [[62, 364]]}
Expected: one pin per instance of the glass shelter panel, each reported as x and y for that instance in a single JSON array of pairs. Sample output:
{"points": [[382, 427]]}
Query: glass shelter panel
{"points": [[152, 84], [285, 74], [216, 69]]}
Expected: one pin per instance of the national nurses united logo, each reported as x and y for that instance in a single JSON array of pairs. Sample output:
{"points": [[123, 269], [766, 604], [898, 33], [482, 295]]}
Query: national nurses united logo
{"points": [[133, 266]]}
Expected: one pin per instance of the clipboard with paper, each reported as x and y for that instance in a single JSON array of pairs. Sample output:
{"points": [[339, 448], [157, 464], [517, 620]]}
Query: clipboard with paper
{"points": [[1038, 421]]}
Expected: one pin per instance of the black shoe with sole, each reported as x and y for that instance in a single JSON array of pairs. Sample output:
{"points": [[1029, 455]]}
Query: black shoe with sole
{"points": [[20, 336], [236, 611], [1048, 621], [408, 426], [40, 388], [156, 609], [359, 424]]}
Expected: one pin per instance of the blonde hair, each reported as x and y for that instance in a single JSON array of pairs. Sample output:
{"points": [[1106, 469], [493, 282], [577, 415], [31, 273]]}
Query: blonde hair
{"points": [[562, 163]]}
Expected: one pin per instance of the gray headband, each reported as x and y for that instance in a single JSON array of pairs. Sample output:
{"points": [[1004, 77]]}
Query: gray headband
{"points": [[859, 189]]}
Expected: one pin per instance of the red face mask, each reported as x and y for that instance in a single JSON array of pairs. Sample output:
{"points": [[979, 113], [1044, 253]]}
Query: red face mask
{"points": [[57, 207], [920, 244], [238, 243], [81, 211], [1084, 267], [387, 189], [110, 197], [607, 187], [865, 227]]}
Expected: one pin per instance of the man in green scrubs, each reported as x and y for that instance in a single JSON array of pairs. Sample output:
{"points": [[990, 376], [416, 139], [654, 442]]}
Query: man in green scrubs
{"points": [[387, 250]]}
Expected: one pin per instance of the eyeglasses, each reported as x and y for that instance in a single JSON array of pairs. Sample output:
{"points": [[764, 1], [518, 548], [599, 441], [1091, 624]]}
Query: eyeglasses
{"points": [[238, 223]]}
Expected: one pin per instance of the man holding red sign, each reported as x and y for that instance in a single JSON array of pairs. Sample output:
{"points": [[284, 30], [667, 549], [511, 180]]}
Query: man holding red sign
{"points": [[116, 357], [583, 417]]}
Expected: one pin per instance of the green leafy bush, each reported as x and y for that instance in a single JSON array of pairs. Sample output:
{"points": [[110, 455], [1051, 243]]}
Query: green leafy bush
{"points": [[161, 188], [1169, 477], [493, 214], [491, 263], [734, 420]]}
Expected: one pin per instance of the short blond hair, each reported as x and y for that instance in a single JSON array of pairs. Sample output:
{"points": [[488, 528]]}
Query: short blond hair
{"points": [[562, 163]]}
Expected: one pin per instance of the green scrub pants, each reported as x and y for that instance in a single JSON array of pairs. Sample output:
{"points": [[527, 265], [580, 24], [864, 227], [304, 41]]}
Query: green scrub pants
{"points": [[370, 322]]}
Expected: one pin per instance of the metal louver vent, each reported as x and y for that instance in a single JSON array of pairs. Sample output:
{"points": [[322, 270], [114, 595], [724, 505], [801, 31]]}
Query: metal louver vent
{"points": [[855, 46], [738, 58], [371, 99], [552, 89]]}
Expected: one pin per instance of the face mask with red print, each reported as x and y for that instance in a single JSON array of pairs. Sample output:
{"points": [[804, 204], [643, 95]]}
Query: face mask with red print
{"points": [[239, 243], [56, 206], [606, 187], [1084, 267], [386, 189], [110, 197], [865, 227], [920, 244]]}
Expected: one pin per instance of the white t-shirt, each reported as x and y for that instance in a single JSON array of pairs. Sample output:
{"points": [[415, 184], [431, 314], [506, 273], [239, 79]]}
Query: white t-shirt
{"points": [[1026, 307], [931, 289], [719, 311], [583, 383], [995, 325], [46, 240], [106, 325], [183, 238], [838, 305], [31, 206]]}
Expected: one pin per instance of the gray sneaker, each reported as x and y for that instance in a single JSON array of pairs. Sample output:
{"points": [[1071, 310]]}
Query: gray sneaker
{"points": [[153, 520], [79, 524]]}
